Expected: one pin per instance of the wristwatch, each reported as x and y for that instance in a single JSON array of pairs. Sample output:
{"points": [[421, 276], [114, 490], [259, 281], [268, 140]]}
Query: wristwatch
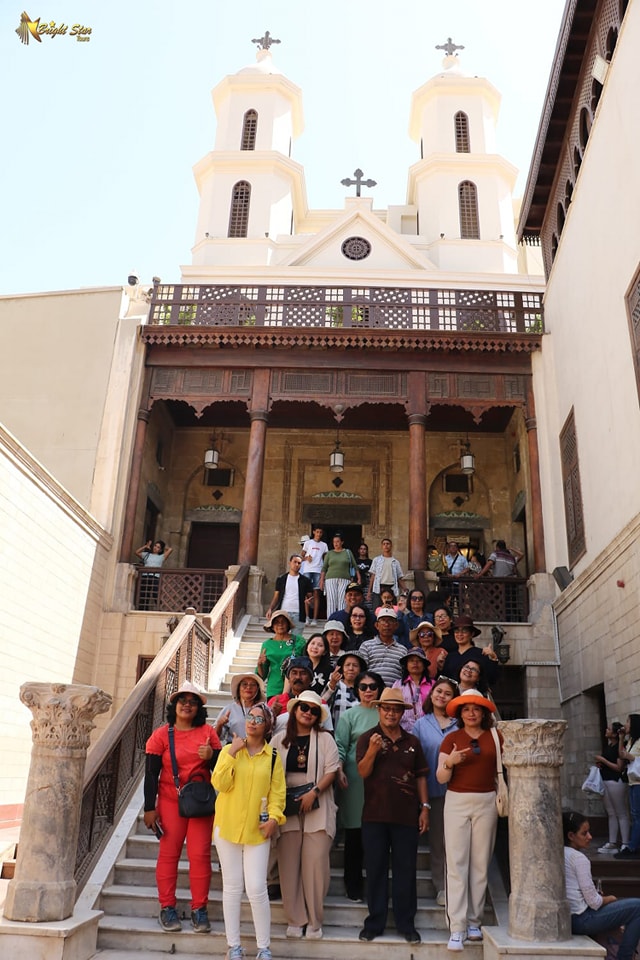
{"points": [[316, 790], [427, 806]]}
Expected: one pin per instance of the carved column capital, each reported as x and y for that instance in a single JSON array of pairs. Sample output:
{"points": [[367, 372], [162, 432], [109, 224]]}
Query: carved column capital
{"points": [[63, 713], [419, 419], [530, 743]]}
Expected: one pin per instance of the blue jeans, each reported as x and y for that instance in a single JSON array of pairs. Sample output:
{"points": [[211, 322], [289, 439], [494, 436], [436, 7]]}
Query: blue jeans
{"points": [[610, 917], [634, 808]]}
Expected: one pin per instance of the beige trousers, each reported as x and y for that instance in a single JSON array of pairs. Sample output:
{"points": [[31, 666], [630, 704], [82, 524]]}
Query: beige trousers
{"points": [[303, 865], [470, 823]]}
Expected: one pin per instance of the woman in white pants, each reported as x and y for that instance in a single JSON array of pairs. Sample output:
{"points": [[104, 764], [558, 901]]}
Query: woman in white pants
{"points": [[615, 799], [249, 778], [467, 764]]}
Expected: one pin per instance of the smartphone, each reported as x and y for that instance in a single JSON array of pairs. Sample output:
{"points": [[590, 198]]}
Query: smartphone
{"points": [[157, 829]]}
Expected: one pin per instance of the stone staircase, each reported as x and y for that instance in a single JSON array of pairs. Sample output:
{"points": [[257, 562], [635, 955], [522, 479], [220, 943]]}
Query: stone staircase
{"points": [[130, 926]]}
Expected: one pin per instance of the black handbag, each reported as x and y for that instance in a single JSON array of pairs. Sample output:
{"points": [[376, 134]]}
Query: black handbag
{"points": [[196, 798], [295, 794]]}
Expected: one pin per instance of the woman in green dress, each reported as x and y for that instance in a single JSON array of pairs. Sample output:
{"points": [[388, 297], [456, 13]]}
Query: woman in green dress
{"points": [[338, 568], [282, 645], [352, 725]]}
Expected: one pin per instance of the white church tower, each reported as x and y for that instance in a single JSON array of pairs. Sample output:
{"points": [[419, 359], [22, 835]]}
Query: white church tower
{"points": [[461, 188], [250, 189]]}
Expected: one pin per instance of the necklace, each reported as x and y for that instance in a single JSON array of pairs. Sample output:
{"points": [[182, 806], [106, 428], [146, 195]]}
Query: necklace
{"points": [[302, 745]]}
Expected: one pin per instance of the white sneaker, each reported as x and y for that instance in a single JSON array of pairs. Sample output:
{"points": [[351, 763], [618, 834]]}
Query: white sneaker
{"points": [[294, 933], [314, 623], [312, 934], [456, 942], [441, 899], [608, 847], [474, 933]]}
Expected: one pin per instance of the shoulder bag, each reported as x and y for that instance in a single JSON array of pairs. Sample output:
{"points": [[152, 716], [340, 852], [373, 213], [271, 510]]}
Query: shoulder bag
{"points": [[295, 794], [196, 798], [502, 790]]}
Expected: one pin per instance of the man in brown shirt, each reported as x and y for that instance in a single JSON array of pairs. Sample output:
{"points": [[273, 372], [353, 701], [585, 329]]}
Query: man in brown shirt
{"points": [[396, 809]]}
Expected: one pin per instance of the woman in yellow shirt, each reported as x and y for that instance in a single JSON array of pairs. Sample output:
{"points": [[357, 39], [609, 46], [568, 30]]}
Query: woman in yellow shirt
{"points": [[249, 778]]}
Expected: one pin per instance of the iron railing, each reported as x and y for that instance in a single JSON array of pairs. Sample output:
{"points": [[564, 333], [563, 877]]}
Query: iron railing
{"points": [[116, 763], [489, 599], [175, 590], [389, 308]]}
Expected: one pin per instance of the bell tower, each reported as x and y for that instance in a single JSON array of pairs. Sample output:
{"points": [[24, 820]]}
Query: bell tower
{"points": [[461, 187], [250, 189]]}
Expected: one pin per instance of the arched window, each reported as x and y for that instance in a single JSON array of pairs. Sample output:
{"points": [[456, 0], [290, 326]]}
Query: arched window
{"points": [[584, 127], [249, 129], [239, 214], [461, 121], [468, 205], [577, 161], [560, 218]]}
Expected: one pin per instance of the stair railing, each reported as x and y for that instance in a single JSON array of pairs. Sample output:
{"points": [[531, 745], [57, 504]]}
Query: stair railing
{"points": [[116, 763]]}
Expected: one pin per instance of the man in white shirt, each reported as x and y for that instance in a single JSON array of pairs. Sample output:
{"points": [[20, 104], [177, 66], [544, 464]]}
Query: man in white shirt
{"points": [[313, 552], [292, 590], [385, 571]]}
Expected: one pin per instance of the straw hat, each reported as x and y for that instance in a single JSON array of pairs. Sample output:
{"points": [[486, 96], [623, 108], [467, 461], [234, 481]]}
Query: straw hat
{"points": [[237, 680], [469, 696], [394, 696], [187, 687], [308, 696], [413, 634], [278, 613]]}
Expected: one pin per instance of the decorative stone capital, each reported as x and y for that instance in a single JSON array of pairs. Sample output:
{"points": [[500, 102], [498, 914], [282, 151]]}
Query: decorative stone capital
{"points": [[63, 713], [532, 743]]}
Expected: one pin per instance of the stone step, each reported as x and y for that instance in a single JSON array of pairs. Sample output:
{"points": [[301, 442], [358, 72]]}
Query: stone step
{"points": [[120, 937], [134, 900]]}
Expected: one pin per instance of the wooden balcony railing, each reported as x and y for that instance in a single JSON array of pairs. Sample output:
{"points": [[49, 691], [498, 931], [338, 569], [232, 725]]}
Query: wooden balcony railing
{"points": [[116, 763], [363, 308], [175, 590], [488, 599]]}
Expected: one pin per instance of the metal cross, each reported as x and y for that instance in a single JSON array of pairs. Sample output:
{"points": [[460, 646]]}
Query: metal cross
{"points": [[358, 182], [265, 42], [449, 47]]}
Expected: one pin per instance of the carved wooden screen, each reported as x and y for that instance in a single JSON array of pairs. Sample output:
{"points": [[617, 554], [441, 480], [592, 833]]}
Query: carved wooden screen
{"points": [[249, 130], [239, 213], [462, 132], [468, 201], [574, 516]]}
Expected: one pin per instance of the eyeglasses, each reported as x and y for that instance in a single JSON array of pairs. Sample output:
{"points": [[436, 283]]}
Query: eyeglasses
{"points": [[416, 598], [475, 746], [367, 686], [448, 680], [188, 702], [469, 669], [391, 708], [256, 721], [426, 633], [305, 708], [357, 616]]}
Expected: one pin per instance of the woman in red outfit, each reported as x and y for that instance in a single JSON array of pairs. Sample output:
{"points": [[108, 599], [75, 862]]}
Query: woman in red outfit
{"points": [[197, 747]]}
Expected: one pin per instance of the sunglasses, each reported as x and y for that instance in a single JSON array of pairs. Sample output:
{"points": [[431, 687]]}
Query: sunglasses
{"points": [[188, 702], [367, 686], [256, 721], [448, 679], [305, 708], [475, 746]]}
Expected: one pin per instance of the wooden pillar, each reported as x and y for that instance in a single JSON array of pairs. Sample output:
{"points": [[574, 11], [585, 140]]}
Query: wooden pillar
{"points": [[537, 525], [259, 416], [131, 507], [417, 472]]}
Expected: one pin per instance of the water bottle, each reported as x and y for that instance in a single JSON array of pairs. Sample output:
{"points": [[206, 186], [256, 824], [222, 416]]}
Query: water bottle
{"points": [[264, 813]]}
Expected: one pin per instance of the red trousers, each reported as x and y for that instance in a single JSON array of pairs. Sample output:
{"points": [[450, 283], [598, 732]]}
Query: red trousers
{"points": [[197, 832]]}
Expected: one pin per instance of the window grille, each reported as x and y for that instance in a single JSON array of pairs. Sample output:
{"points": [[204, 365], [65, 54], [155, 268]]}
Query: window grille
{"points": [[461, 121], [239, 214], [249, 129], [468, 203], [574, 516]]}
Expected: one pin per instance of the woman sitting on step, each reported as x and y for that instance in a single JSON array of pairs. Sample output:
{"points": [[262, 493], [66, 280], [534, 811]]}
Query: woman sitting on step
{"points": [[591, 912]]}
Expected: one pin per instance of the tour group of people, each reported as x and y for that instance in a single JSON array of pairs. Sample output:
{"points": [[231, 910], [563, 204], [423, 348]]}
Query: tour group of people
{"points": [[380, 725]]}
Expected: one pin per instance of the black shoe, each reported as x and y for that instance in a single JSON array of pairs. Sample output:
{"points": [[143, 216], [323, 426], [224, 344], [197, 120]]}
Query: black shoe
{"points": [[366, 934], [626, 854], [412, 936], [354, 895], [274, 892]]}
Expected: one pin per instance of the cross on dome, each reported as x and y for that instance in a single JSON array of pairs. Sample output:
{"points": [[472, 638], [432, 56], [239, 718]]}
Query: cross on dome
{"points": [[266, 41], [449, 47]]}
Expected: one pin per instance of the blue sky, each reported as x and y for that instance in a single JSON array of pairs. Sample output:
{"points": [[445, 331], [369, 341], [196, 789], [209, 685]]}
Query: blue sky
{"points": [[100, 137]]}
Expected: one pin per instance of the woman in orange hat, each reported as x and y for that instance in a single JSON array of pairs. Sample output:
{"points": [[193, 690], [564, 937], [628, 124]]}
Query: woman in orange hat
{"points": [[467, 764]]}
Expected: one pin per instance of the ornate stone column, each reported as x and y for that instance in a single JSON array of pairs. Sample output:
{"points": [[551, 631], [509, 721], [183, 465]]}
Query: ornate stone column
{"points": [[538, 908], [44, 887]]}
